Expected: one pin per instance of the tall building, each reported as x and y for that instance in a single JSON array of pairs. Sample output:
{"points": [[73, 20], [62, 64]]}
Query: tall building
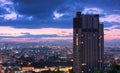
{"points": [[88, 43]]}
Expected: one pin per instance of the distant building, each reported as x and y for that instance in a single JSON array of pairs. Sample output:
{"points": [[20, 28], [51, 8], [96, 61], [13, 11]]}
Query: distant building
{"points": [[1, 60], [27, 69], [88, 43], [1, 69]]}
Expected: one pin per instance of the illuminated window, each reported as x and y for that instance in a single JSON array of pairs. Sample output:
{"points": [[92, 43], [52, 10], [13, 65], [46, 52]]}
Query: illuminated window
{"points": [[82, 71], [89, 69], [77, 39], [82, 35], [100, 37], [82, 42], [99, 44], [88, 37], [99, 60], [83, 64]]}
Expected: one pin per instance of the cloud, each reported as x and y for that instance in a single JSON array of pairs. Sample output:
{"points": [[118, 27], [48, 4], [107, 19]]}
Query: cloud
{"points": [[30, 17], [34, 39], [8, 11], [34, 18], [11, 16], [112, 27], [7, 6], [57, 15], [5, 2], [56, 38], [24, 34], [111, 18], [116, 10], [37, 8], [92, 11], [11, 34], [112, 33], [10, 31], [18, 40]]}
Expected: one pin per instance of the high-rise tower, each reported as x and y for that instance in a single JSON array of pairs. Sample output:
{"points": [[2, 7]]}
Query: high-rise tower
{"points": [[88, 43]]}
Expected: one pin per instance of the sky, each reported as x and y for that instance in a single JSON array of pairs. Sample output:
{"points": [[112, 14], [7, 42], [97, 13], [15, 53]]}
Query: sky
{"points": [[49, 20]]}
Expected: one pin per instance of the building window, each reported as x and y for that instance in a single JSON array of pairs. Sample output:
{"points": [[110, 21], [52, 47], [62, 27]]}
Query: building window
{"points": [[82, 71], [100, 37], [82, 35], [89, 69], [99, 60], [82, 42], [77, 39], [83, 64]]}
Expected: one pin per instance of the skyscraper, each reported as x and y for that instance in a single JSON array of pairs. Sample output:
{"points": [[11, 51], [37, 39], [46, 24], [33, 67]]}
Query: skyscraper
{"points": [[88, 43]]}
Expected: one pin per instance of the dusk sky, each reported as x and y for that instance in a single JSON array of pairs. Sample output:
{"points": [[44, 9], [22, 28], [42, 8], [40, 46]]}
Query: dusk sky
{"points": [[39, 20]]}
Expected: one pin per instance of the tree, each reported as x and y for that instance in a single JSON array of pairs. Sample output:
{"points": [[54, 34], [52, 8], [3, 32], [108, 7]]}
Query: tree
{"points": [[115, 69], [98, 71]]}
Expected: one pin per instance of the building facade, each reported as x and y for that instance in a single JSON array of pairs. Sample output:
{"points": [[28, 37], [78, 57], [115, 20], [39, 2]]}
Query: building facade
{"points": [[88, 43]]}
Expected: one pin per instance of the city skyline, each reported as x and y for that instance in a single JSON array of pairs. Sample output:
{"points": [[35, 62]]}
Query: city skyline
{"points": [[35, 20]]}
